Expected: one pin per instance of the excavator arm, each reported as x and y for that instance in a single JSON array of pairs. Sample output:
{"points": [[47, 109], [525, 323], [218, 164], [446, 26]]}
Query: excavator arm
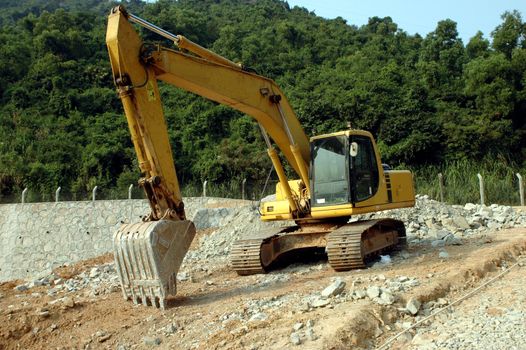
{"points": [[136, 69]]}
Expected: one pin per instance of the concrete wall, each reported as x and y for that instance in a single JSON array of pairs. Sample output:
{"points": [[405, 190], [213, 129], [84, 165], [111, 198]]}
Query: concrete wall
{"points": [[37, 237]]}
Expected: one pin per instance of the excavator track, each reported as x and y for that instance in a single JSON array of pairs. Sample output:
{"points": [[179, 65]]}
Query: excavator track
{"points": [[344, 251], [245, 257], [254, 254], [350, 245]]}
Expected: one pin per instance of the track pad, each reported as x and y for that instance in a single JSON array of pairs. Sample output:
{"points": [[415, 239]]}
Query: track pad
{"points": [[148, 256]]}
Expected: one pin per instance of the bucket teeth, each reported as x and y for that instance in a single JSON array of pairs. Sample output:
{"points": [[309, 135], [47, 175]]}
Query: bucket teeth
{"points": [[148, 256]]}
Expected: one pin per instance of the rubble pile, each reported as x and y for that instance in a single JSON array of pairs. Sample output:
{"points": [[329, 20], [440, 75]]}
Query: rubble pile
{"points": [[99, 280], [428, 222], [441, 224]]}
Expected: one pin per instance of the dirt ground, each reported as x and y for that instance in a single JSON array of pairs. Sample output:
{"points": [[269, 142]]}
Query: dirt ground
{"points": [[215, 308]]}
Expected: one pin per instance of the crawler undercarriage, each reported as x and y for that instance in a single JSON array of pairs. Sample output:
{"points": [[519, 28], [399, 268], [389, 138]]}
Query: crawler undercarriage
{"points": [[347, 245]]}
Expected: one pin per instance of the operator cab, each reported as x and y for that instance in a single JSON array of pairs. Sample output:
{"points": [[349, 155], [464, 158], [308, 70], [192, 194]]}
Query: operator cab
{"points": [[344, 168]]}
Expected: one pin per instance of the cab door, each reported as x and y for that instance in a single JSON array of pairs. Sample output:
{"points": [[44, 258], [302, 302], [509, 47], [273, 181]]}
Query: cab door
{"points": [[363, 169]]}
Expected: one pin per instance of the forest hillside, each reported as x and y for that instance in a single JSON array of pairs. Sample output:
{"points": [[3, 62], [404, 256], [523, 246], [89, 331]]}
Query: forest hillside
{"points": [[431, 101]]}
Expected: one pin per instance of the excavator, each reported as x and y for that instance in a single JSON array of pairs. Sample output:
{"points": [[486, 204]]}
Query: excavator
{"points": [[339, 175]]}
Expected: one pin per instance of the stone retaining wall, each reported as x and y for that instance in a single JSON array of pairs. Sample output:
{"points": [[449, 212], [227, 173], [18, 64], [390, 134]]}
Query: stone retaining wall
{"points": [[37, 237]]}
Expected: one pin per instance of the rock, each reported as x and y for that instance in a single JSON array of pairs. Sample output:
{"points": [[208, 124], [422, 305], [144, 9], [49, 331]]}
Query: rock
{"points": [[460, 222], [334, 288], [405, 254], [413, 282], [304, 307], [387, 298], [295, 339], [103, 338], [21, 288], [378, 332], [239, 331], [310, 334], [501, 218], [68, 302], [420, 340], [385, 259], [359, 294], [297, 326], [470, 207], [373, 292], [413, 305], [438, 243], [403, 279], [320, 303], [494, 225], [452, 240], [443, 255], [485, 212], [43, 313], [152, 341], [39, 282], [442, 301], [440, 234], [310, 323], [94, 272], [260, 316], [170, 329], [183, 276], [430, 223]]}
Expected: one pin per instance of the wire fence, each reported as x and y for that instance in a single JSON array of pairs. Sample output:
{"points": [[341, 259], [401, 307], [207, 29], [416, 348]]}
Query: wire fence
{"points": [[477, 188], [242, 189], [481, 188]]}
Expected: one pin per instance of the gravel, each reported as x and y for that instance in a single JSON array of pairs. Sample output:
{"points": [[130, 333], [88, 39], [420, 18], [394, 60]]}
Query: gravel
{"points": [[495, 319]]}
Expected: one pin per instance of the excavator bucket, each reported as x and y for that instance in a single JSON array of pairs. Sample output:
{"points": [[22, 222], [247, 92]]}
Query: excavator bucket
{"points": [[148, 256]]}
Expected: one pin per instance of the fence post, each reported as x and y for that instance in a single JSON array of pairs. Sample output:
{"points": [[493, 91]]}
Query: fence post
{"points": [[243, 188], [57, 193], [441, 184], [204, 187], [521, 189], [130, 191], [24, 195], [481, 188], [94, 193]]}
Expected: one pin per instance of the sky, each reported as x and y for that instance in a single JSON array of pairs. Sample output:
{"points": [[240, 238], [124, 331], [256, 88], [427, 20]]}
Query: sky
{"points": [[421, 17]]}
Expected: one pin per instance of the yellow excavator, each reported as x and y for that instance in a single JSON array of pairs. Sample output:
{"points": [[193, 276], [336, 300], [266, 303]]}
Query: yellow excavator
{"points": [[339, 174]]}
